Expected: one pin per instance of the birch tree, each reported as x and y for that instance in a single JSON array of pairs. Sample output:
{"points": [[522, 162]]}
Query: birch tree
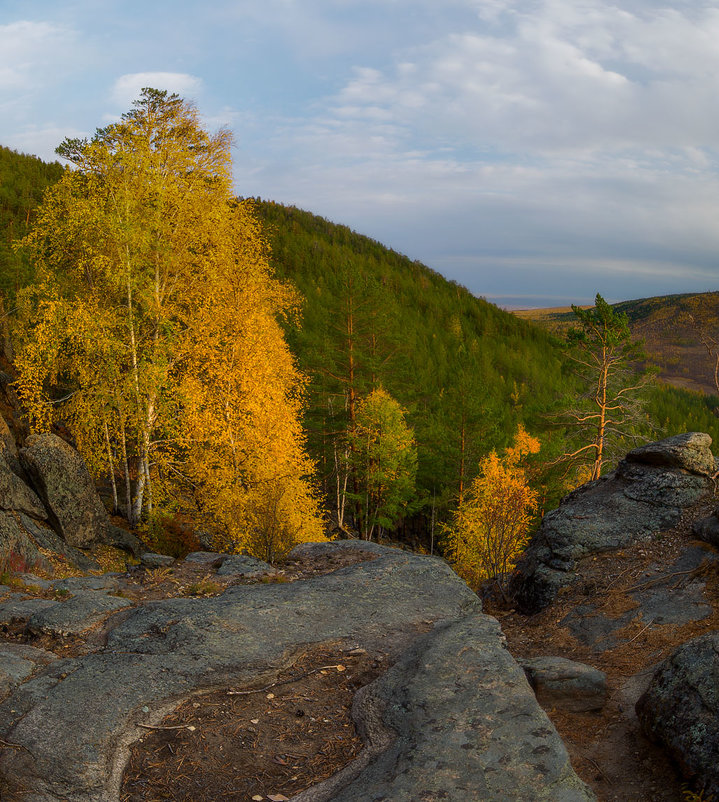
{"points": [[153, 329]]}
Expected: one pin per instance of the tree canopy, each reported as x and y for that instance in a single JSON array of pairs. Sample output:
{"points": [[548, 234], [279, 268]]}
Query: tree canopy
{"points": [[153, 329]]}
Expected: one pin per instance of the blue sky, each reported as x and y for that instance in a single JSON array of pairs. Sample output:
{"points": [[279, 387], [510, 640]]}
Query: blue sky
{"points": [[537, 151]]}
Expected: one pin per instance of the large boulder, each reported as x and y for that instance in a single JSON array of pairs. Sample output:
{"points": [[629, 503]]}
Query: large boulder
{"points": [[16, 495], [680, 710], [453, 719], [63, 482], [645, 495]]}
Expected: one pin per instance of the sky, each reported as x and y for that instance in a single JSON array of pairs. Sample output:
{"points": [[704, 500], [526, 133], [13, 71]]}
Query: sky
{"points": [[535, 151]]}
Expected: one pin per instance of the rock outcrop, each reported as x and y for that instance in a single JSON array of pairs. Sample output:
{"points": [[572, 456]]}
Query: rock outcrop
{"points": [[63, 482], [680, 710], [645, 495], [454, 718]]}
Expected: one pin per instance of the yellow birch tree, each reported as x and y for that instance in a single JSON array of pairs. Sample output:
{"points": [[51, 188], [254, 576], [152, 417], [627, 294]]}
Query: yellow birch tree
{"points": [[153, 329], [490, 526]]}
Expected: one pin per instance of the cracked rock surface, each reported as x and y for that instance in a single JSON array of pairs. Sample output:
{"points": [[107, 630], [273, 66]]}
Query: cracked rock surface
{"points": [[454, 718]]}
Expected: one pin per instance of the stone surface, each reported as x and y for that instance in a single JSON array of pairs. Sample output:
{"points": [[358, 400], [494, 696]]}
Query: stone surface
{"points": [[680, 710], [211, 559], [17, 662], [558, 682], [645, 495], [669, 595], [78, 584], [151, 560], [77, 614], [16, 495], [453, 720], [707, 529], [122, 539], [690, 451], [20, 611], [455, 710], [17, 546], [240, 565], [62, 481], [50, 540]]}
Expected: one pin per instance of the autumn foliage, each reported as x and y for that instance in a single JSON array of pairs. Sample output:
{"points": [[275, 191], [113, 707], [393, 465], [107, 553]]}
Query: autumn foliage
{"points": [[154, 332], [489, 529]]}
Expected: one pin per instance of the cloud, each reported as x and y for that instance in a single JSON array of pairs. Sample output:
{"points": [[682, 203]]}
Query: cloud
{"points": [[554, 77], [34, 53], [127, 88], [42, 140]]}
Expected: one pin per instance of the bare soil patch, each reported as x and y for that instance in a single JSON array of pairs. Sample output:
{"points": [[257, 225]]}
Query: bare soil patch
{"points": [[608, 749], [268, 743]]}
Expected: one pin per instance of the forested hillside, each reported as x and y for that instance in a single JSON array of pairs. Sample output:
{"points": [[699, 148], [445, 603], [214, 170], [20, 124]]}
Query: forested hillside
{"points": [[23, 180], [388, 343], [466, 372]]}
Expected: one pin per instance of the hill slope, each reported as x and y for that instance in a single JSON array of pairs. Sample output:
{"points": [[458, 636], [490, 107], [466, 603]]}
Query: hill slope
{"points": [[466, 372]]}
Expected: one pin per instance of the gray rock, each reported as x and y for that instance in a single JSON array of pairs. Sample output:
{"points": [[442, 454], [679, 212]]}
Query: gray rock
{"points": [[563, 683], [679, 710], [211, 559], [151, 560], [644, 496], [48, 539], [20, 611], [17, 663], [36, 581], [63, 482], [16, 495], [688, 452], [76, 718], [8, 447], [16, 542], [240, 565], [77, 614], [661, 599], [122, 539], [591, 628], [707, 529], [452, 720], [78, 584]]}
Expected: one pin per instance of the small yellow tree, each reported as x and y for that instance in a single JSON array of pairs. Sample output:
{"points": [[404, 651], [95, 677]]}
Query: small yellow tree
{"points": [[490, 526]]}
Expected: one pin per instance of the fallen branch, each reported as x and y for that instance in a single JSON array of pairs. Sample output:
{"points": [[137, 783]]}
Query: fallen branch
{"points": [[664, 577], [158, 727], [283, 681]]}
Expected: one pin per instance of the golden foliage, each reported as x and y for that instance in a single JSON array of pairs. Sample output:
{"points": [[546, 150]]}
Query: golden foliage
{"points": [[489, 530], [156, 318]]}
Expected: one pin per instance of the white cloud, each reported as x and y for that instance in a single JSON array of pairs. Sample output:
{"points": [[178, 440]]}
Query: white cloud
{"points": [[127, 88], [33, 54], [42, 140]]}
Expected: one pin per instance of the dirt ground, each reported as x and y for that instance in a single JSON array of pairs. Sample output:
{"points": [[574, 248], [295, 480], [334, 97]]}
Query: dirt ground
{"points": [[608, 749], [267, 743]]}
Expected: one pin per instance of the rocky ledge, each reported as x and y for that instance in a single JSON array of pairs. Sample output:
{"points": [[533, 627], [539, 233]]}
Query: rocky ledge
{"points": [[644, 496], [453, 718]]}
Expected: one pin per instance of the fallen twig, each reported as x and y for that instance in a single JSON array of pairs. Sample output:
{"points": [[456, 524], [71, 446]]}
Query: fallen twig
{"points": [[281, 681], [644, 629], [158, 727], [664, 577]]}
